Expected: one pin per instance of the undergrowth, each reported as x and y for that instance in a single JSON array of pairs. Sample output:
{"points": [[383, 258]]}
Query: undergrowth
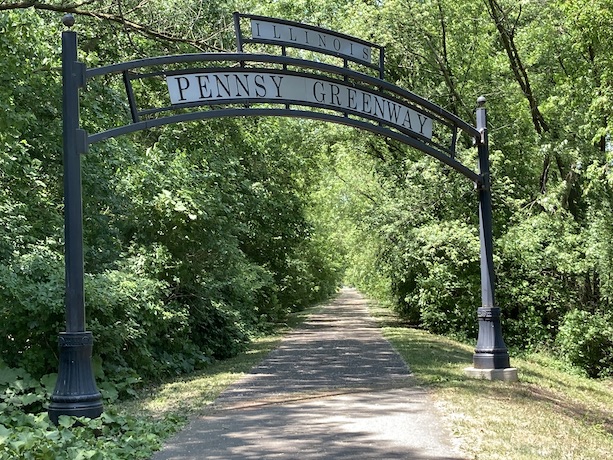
{"points": [[27, 433]]}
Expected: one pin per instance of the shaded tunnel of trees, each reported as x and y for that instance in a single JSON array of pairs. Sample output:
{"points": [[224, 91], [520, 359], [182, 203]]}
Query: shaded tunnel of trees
{"points": [[200, 236]]}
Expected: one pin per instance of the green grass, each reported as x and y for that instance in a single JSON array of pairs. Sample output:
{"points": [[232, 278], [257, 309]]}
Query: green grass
{"points": [[193, 394], [549, 413]]}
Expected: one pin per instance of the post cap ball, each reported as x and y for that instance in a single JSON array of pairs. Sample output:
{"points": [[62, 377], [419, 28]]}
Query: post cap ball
{"points": [[481, 101], [68, 20]]}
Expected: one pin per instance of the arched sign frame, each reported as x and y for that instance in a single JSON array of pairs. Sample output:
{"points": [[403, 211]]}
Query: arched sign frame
{"points": [[262, 85]]}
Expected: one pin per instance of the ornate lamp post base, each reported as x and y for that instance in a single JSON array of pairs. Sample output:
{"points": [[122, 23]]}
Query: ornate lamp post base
{"points": [[491, 358], [75, 392], [506, 375]]}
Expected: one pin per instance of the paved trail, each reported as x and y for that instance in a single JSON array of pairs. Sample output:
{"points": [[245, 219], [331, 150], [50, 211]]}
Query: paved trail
{"points": [[333, 389]]}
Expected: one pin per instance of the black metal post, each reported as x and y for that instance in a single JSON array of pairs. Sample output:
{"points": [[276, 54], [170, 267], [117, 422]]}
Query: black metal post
{"points": [[237, 31], [75, 392], [491, 351]]}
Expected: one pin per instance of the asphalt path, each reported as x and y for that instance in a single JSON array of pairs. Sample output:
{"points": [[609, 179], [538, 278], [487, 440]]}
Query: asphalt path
{"points": [[333, 389]]}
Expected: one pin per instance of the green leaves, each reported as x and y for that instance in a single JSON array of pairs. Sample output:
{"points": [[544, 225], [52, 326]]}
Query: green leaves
{"points": [[26, 432], [585, 340], [112, 436]]}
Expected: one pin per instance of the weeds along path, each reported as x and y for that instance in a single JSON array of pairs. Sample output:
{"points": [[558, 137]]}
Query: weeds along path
{"points": [[333, 389]]}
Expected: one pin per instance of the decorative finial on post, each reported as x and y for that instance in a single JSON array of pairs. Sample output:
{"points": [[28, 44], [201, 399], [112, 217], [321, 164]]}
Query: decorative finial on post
{"points": [[481, 119], [68, 20]]}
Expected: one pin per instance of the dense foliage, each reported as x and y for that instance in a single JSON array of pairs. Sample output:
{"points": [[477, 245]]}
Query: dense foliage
{"points": [[26, 432], [410, 226], [199, 236], [196, 236]]}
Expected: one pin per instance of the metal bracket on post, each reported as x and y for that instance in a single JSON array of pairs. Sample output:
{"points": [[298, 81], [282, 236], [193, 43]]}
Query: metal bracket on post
{"points": [[483, 183], [491, 357], [81, 141], [75, 391]]}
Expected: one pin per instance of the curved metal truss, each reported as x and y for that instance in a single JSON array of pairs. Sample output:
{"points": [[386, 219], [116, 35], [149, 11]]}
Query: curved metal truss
{"points": [[241, 85]]}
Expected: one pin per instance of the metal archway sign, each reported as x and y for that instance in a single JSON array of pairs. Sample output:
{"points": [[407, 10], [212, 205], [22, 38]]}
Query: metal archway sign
{"points": [[213, 85]]}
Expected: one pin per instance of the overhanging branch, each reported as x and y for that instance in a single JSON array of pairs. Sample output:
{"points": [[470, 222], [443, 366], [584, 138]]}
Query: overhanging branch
{"points": [[143, 29]]}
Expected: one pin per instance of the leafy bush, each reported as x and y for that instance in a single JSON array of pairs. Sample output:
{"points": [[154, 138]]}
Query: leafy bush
{"points": [[137, 332], [27, 433], [20, 392], [112, 436], [137, 329], [435, 274], [218, 329], [31, 309], [586, 340], [540, 274]]}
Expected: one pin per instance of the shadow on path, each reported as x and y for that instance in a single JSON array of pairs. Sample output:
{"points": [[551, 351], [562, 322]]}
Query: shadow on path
{"points": [[333, 389]]}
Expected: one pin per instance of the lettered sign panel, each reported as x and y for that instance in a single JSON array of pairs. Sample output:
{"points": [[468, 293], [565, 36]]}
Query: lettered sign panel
{"points": [[290, 34], [262, 86], [296, 36]]}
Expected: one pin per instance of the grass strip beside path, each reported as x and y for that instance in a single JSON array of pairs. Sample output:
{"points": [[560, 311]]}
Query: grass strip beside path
{"points": [[193, 394], [549, 413]]}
